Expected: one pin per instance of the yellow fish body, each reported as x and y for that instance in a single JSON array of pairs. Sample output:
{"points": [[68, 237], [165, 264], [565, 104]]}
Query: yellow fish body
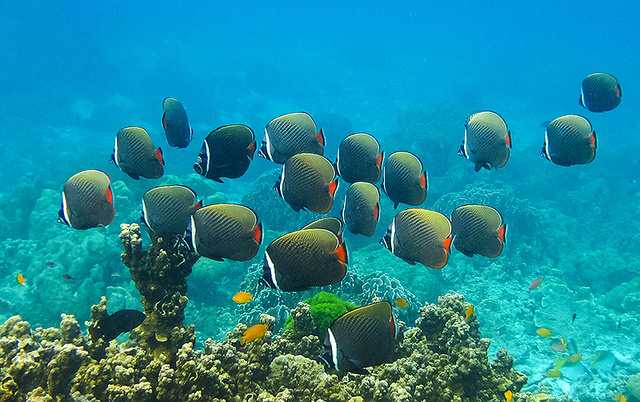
{"points": [[574, 358], [554, 373], [508, 395], [254, 332], [242, 297], [543, 332], [401, 302]]}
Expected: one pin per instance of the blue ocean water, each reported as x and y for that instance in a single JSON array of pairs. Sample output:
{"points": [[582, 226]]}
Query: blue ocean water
{"points": [[74, 73]]}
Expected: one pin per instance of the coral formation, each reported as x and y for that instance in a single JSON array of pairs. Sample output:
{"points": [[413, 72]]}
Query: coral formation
{"points": [[160, 276], [324, 307], [442, 359]]}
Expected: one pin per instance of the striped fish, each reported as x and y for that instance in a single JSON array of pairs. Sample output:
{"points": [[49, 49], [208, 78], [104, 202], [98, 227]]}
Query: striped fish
{"points": [[291, 134], [87, 200], [404, 179], [303, 259], [167, 210], [361, 209], [308, 182], [487, 141], [364, 337], [570, 140], [420, 236], [135, 154], [600, 92], [176, 123], [226, 152], [359, 158], [478, 229], [225, 231], [333, 225]]}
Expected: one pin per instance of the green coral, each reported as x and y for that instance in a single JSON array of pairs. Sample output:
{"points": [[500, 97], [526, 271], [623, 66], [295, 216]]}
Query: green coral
{"points": [[324, 307]]}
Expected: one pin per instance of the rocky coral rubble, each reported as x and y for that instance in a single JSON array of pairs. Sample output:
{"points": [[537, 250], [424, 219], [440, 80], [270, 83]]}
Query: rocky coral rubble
{"points": [[443, 358]]}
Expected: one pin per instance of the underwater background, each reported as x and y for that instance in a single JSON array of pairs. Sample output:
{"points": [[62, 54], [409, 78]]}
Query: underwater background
{"points": [[74, 73]]}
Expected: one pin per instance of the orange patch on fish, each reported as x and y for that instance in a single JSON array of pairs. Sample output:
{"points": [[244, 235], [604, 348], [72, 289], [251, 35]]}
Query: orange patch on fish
{"points": [[508, 395], [20, 279], [341, 253], [254, 332], [242, 297], [423, 180], [574, 358], [333, 186], [257, 233]]}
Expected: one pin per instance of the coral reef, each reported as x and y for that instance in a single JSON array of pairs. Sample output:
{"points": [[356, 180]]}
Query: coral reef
{"points": [[442, 359], [160, 276]]}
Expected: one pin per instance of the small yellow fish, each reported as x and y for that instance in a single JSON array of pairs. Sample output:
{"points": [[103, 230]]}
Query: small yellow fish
{"points": [[468, 312], [20, 279], [560, 345], [574, 358], [401, 302], [543, 332], [620, 398], [508, 395], [254, 332], [242, 297], [554, 373]]}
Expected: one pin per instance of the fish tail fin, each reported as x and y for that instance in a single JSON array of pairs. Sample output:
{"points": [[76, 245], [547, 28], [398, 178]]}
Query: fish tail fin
{"points": [[380, 159], [256, 234], [159, 155], [333, 187], [320, 137], [341, 253], [423, 180], [477, 167], [502, 233], [197, 205]]}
